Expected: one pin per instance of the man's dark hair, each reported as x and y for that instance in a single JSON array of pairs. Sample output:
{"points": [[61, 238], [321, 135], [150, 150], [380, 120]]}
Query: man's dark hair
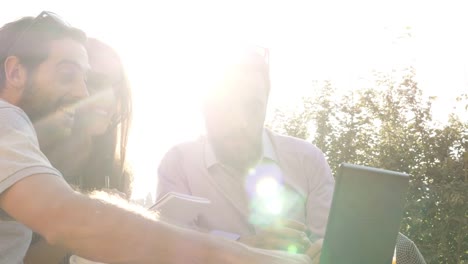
{"points": [[29, 40], [253, 61]]}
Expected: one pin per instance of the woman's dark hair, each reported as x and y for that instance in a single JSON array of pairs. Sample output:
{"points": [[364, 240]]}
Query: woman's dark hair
{"points": [[108, 151]]}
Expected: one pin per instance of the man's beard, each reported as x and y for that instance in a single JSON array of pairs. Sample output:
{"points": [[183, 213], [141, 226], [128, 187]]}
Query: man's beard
{"points": [[27, 103], [41, 115], [241, 162]]}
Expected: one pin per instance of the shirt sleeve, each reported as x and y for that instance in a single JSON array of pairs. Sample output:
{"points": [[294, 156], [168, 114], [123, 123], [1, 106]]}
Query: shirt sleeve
{"points": [[20, 155], [320, 192]]}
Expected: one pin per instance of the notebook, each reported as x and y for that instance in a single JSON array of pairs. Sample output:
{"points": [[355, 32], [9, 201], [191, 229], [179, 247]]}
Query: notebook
{"points": [[181, 209], [365, 216]]}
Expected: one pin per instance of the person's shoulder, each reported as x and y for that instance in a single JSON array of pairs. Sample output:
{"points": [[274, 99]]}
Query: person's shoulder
{"points": [[13, 117], [185, 148], [7, 109], [181, 153], [294, 144]]}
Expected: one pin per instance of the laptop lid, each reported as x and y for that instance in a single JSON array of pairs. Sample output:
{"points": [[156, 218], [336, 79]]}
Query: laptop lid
{"points": [[365, 216]]}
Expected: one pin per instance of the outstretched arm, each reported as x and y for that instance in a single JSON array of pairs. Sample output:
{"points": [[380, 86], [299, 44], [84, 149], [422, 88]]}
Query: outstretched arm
{"points": [[101, 231]]}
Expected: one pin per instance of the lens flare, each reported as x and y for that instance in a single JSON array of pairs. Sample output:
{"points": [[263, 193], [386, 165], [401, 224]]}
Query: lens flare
{"points": [[274, 206], [292, 249], [268, 192], [267, 188]]}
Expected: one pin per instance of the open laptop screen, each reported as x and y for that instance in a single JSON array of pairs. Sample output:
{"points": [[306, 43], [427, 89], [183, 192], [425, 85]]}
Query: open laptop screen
{"points": [[365, 216]]}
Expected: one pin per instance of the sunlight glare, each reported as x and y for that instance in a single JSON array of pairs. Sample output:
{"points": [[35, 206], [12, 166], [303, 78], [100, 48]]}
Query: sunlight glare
{"points": [[292, 249], [274, 206], [268, 191], [267, 187]]}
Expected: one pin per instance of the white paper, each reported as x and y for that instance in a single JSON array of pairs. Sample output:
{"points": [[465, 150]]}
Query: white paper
{"points": [[180, 208]]}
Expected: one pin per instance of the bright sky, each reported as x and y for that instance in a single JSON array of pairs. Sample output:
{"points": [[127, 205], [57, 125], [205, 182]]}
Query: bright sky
{"points": [[161, 43]]}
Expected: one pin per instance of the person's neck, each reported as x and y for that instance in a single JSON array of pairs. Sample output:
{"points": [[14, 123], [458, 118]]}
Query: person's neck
{"points": [[244, 167], [9, 98]]}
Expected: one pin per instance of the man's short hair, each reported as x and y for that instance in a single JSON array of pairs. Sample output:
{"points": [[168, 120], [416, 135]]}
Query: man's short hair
{"points": [[29, 39], [255, 59]]}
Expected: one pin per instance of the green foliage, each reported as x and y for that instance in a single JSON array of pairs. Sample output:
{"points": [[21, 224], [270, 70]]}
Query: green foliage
{"points": [[390, 126]]}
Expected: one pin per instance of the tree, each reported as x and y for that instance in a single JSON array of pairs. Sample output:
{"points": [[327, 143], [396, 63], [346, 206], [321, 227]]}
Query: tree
{"points": [[390, 126]]}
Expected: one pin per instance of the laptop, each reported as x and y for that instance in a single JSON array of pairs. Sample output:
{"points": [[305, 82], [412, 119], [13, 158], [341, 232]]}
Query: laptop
{"points": [[365, 216]]}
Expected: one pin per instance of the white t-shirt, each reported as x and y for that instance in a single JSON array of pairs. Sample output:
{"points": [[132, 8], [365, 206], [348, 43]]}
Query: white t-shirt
{"points": [[20, 157]]}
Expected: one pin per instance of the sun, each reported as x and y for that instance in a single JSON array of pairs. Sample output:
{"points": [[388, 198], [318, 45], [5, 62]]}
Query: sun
{"points": [[167, 105]]}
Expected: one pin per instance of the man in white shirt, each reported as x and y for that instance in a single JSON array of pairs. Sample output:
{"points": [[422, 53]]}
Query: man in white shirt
{"points": [[266, 190]]}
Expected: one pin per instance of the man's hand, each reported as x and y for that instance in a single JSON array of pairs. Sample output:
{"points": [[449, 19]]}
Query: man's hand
{"points": [[288, 235], [315, 246], [264, 256], [314, 251]]}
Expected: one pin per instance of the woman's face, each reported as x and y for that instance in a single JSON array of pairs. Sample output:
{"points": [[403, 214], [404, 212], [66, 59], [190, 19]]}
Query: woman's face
{"points": [[104, 81]]}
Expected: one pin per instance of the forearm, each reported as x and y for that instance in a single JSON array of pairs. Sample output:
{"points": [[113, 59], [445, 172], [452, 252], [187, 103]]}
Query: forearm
{"points": [[319, 200], [102, 231], [105, 232], [96, 229], [145, 240]]}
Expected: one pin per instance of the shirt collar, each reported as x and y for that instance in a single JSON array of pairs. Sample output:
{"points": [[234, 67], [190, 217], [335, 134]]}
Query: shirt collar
{"points": [[268, 151]]}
